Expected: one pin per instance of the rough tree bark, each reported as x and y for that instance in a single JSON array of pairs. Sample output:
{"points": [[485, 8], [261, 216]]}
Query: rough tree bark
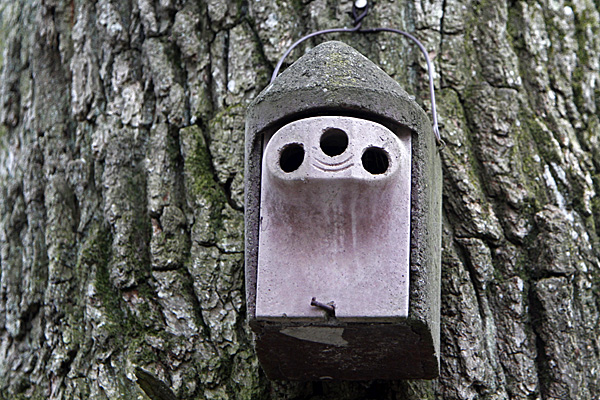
{"points": [[121, 211]]}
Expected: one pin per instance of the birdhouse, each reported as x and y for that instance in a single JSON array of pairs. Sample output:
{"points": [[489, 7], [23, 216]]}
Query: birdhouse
{"points": [[343, 224]]}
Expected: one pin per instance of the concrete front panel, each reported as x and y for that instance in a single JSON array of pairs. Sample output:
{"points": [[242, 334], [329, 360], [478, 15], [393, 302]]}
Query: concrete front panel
{"points": [[334, 220]]}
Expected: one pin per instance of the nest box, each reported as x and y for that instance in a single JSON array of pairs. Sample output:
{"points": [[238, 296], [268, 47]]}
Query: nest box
{"points": [[343, 224]]}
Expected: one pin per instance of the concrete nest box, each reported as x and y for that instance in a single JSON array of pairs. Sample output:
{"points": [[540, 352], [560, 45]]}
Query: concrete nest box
{"points": [[343, 224]]}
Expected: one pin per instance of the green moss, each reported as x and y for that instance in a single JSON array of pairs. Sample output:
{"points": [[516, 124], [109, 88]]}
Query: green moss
{"points": [[578, 76], [514, 28], [452, 108], [198, 164], [535, 141], [96, 252], [201, 177], [4, 135], [126, 330], [111, 298], [344, 75], [541, 136], [96, 248], [140, 352], [584, 22], [218, 119]]}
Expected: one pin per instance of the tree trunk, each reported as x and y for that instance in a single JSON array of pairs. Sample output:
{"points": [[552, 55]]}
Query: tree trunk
{"points": [[121, 195]]}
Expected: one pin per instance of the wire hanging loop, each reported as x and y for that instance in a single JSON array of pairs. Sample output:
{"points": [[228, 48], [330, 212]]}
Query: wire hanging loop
{"points": [[360, 10], [361, 6]]}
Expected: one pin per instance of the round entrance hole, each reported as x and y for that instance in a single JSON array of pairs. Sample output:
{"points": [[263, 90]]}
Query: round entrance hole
{"points": [[375, 160], [334, 142], [291, 157]]}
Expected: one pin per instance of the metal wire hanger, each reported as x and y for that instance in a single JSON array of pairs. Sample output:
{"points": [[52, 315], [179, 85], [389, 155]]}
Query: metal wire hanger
{"points": [[360, 8]]}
